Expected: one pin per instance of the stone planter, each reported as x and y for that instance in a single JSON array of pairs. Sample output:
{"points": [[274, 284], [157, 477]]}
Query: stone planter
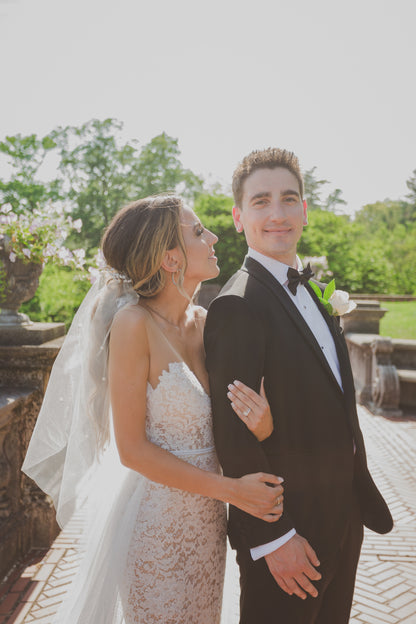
{"points": [[18, 283]]}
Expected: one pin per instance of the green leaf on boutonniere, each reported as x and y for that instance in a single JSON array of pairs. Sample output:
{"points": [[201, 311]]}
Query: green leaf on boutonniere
{"points": [[323, 299], [327, 306], [336, 302], [316, 290], [330, 288]]}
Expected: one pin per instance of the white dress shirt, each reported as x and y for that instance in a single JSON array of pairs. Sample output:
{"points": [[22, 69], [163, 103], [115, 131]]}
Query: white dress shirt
{"points": [[317, 324]]}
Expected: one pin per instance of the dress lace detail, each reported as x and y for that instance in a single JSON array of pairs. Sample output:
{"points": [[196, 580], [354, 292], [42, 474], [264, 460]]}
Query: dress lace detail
{"points": [[179, 411], [176, 559]]}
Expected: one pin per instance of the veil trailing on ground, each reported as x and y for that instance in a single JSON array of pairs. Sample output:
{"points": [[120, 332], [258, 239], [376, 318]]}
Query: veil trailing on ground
{"points": [[73, 426], [72, 457]]}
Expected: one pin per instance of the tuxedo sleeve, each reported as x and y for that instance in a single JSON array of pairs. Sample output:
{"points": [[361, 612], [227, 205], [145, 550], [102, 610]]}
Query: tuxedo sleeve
{"points": [[235, 344]]}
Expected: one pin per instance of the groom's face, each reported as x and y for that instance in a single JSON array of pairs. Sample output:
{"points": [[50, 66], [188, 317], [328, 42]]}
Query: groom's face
{"points": [[272, 213]]}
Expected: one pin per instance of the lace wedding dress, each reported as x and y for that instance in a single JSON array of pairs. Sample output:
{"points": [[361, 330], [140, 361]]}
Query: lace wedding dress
{"points": [[155, 554]]}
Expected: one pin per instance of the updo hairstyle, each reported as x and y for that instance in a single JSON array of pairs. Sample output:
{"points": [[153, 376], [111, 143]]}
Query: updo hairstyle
{"points": [[138, 237]]}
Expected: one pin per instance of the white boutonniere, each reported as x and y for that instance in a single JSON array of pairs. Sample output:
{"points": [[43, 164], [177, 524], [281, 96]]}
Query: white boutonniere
{"points": [[336, 302]]}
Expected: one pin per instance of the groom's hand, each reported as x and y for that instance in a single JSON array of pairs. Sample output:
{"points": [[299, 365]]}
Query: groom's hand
{"points": [[292, 566]]}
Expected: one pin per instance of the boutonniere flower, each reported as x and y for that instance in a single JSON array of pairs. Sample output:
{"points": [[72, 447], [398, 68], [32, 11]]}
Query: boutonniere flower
{"points": [[336, 302]]}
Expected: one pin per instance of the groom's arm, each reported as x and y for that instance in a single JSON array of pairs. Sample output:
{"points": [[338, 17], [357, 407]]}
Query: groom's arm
{"points": [[235, 345]]}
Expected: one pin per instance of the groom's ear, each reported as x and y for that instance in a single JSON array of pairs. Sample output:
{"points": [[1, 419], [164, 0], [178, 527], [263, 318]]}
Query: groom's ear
{"points": [[237, 219]]}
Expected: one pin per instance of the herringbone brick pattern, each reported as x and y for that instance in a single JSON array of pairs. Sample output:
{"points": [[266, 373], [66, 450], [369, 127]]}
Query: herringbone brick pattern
{"points": [[385, 590], [386, 579]]}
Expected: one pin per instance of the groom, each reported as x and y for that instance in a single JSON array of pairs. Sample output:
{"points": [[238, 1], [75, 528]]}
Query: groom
{"points": [[301, 569]]}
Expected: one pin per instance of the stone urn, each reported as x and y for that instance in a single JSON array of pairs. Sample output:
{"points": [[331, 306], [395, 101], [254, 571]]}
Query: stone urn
{"points": [[18, 283]]}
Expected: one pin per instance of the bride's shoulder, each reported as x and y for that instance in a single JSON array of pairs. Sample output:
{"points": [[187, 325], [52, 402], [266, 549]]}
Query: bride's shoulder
{"points": [[131, 321]]}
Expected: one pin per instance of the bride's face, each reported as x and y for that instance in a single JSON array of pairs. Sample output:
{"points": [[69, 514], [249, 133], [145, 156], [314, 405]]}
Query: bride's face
{"points": [[199, 242]]}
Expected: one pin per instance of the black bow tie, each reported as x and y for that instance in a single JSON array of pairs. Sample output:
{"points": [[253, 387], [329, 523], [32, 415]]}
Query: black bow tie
{"points": [[295, 277]]}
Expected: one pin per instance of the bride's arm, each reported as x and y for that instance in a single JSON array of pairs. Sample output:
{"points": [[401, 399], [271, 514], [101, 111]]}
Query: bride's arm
{"points": [[129, 361]]}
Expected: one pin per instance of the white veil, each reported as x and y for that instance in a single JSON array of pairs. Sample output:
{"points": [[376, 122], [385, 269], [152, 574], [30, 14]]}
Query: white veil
{"points": [[73, 425]]}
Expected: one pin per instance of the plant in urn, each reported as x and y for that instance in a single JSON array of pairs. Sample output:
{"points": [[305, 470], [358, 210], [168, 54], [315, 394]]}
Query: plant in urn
{"points": [[27, 242]]}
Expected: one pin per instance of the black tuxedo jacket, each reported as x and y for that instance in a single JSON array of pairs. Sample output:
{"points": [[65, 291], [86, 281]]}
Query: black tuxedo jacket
{"points": [[254, 330]]}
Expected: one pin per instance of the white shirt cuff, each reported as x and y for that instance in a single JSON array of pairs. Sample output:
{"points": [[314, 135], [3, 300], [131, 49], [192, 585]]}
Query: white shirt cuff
{"points": [[265, 549]]}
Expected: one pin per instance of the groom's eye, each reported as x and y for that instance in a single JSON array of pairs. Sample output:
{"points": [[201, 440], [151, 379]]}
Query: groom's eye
{"points": [[291, 199]]}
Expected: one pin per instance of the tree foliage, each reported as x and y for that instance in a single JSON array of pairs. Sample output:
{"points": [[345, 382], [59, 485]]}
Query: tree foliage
{"points": [[24, 156], [313, 193], [97, 173], [159, 169], [375, 253], [101, 173]]}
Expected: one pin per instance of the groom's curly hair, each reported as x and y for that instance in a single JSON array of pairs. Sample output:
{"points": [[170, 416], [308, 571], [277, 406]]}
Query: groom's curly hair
{"points": [[269, 158]]}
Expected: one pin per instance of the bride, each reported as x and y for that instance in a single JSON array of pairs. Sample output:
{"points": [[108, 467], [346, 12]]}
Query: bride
{"points": [[147, 472]]}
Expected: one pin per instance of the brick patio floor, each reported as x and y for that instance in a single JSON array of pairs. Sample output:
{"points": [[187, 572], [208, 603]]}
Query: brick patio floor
{"points": [[385, 590]]}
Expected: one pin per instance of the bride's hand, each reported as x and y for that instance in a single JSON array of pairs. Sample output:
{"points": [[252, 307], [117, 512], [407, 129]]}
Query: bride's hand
{"points": [[254, 496], [252, 408]]}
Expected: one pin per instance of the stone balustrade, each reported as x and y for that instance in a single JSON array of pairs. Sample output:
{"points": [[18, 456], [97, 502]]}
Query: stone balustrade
{"points": [[384, 369]]}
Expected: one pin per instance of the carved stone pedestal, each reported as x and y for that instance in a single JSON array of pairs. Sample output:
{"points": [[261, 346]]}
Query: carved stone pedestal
{"points": [[386, 385], [27, 517]]}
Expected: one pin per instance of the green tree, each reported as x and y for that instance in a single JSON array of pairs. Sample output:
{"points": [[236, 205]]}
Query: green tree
{"points": [[24, 156], [313, 193], [400, 250], [101, 173], [159, 169], [97, 171], [313, 189], [359, 264], [388, 213]]}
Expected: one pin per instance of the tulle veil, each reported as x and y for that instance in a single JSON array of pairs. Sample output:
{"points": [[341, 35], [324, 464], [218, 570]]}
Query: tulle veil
{"points": [[73, 458]]}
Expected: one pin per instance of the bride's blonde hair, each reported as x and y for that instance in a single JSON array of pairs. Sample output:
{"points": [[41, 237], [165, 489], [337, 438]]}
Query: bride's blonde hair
{"points": [[137, 238]]}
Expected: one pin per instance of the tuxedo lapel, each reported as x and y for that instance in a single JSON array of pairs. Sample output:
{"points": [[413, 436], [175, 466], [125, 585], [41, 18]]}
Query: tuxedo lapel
{"points": [[256, 270], [342, 351]]}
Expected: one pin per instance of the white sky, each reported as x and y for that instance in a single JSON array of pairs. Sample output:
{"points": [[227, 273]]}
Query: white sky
{"points": [[333, 81]]}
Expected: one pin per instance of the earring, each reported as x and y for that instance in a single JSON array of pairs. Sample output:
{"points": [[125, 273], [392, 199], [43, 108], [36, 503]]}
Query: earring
{"points": [[173, 277]]}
